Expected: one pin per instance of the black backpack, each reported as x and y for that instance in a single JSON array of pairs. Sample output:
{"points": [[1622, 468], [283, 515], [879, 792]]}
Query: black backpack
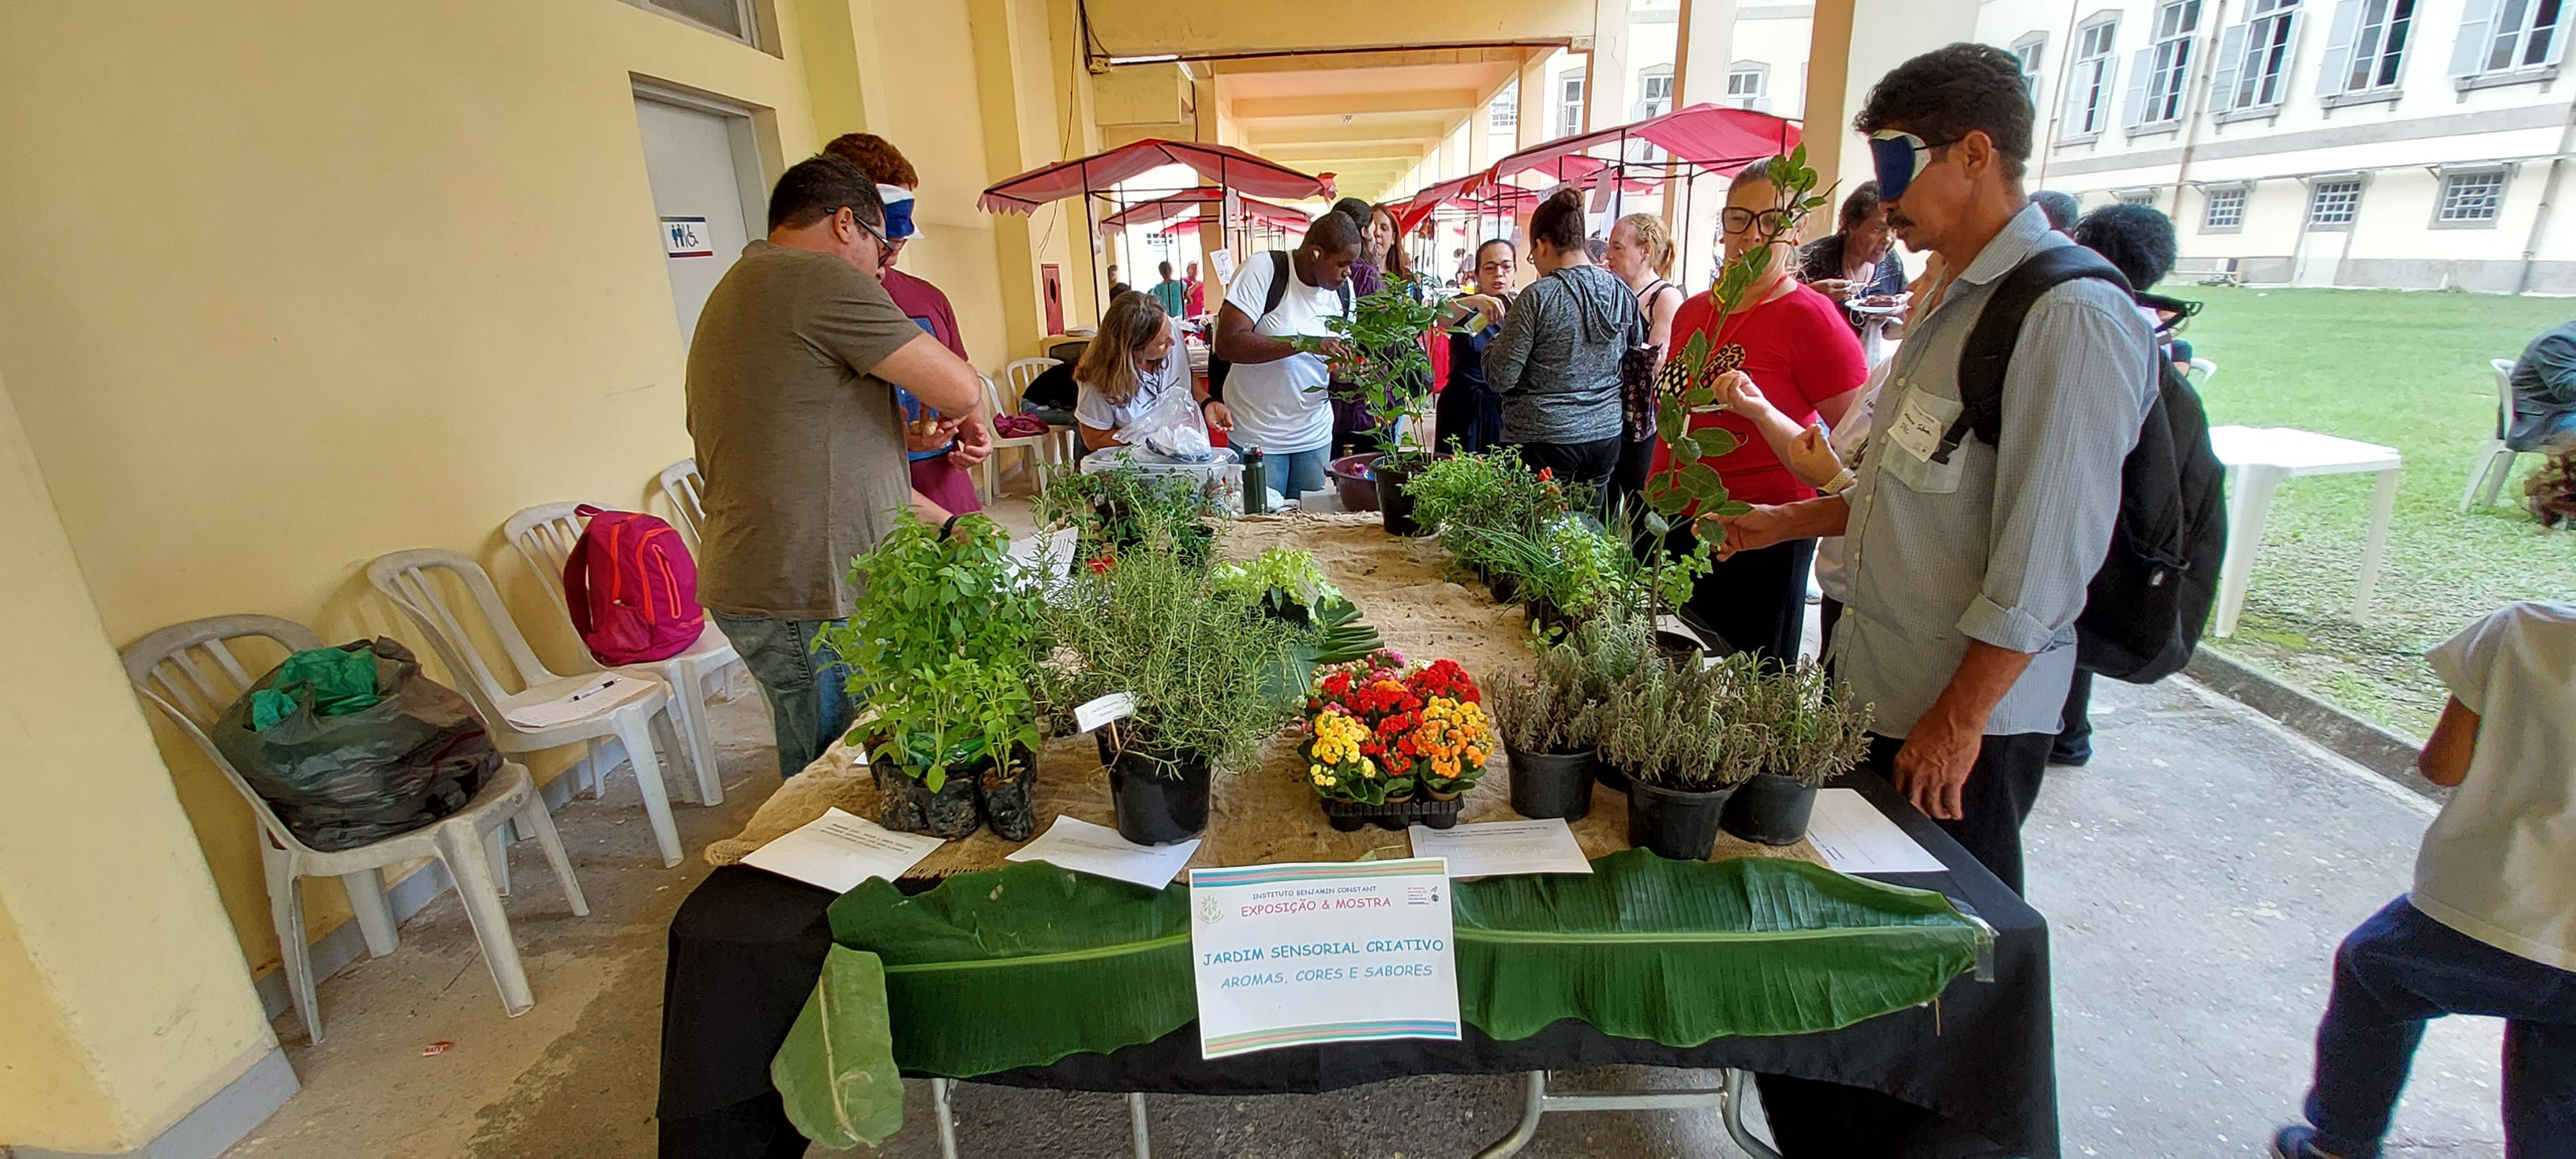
{"points": [[2145, 609], [1280, 272]]}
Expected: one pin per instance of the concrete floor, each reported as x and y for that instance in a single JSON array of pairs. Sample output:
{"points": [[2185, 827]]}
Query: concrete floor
{"points": [[2198, 875]]}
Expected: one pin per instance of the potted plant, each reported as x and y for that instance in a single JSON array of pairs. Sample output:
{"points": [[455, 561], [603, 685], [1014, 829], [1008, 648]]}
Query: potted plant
{"points": [[1282, 582], [1207, 676], [1554, 712], [1392, 369], [1814, 734], [1667, 729], [1127, 508], [1389, 745], [941, 644]]}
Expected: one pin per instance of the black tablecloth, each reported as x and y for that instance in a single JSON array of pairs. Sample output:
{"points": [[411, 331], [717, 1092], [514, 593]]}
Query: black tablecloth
{"points": [[746, 947]]}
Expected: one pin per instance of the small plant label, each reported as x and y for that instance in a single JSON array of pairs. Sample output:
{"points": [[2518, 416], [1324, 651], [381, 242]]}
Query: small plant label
{"points": [[1094, 713]]}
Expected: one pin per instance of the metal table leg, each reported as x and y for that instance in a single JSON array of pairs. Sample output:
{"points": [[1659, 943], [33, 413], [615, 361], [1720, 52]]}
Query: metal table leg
{"points": [[939, 1093], [1537, 1102], [1136, 1129]]}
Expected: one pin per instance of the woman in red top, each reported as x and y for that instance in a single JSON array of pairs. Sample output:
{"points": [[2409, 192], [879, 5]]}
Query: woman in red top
{"points": [[1804, 358]]}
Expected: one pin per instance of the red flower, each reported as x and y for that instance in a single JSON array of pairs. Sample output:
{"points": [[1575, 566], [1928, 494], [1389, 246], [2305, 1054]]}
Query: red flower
{"points": [[1546, 473], [1100, 566]]}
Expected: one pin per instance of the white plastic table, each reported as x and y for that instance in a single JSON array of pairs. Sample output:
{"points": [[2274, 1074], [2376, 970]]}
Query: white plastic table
{"points": [[2258, 459]]}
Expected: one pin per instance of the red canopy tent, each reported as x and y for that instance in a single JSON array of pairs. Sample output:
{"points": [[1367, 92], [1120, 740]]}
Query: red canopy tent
{"points": [[1228, 167], [1710, 138], [1183, 203]]}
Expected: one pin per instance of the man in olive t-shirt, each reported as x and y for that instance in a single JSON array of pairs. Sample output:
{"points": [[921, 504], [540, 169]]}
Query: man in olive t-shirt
{"points": [[800, 438]]}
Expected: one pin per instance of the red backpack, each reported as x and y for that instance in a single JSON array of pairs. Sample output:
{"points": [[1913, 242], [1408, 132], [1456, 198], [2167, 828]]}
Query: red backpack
{"points": [[632, 588]]}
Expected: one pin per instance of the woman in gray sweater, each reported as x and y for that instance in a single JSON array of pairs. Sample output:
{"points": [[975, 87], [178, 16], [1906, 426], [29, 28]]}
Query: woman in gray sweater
{"points": [[1556, 362]]}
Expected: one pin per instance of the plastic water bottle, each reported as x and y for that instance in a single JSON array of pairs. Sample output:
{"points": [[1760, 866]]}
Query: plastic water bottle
{"points": [[1256, 488]]}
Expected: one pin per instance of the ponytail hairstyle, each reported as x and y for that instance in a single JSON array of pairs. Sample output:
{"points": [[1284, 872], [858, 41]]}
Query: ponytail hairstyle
{"points": [[1108, 364], [1558, 221], [1659, 241]]}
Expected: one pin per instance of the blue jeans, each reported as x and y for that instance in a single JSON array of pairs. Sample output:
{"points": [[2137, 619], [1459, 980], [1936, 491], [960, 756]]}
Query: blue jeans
{"points": [[808, 703], [2402, 969], [1297, 472]]}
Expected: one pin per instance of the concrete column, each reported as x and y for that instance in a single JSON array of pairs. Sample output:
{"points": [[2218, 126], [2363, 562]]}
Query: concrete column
{"points": [[1606, 100], [837, 43], [1702, 48], [1070, 99], [1829, 52], [125, 1006], [1898, 30], [1531, 126]]}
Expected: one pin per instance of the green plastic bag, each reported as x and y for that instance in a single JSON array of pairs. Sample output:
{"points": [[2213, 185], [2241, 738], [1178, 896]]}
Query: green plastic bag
{"points": [[337, 681]]}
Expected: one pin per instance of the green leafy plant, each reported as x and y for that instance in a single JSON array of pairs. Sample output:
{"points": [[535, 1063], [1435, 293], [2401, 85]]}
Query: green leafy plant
{"points": [[1127, 508], [1340, 635], [1688, 381], [1493, 489], [1670, 725], [1210, 679], [941, 642], [1557, 704], [1277, 581], [1387, 361]]}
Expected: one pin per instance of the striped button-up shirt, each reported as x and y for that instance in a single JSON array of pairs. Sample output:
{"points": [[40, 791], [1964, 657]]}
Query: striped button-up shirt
{"points": [[1999, 543]]}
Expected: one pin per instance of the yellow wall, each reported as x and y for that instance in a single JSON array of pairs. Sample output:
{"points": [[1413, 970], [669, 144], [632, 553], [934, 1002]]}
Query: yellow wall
{"points": [[1151, 27], [296, 283], [120, 1005]]}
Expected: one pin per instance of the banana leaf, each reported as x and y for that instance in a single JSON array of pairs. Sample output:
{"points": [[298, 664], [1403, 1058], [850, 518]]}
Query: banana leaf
{"points": [[1023, 965], [836, 1071], [1681, 952]]}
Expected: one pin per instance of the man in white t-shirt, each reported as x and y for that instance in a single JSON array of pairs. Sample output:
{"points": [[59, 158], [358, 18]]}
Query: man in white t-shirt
{"points": [[1273, 397], [2490, 927]]}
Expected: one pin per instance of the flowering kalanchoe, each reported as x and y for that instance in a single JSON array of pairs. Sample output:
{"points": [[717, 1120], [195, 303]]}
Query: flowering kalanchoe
{"points": [[1378, 731]]}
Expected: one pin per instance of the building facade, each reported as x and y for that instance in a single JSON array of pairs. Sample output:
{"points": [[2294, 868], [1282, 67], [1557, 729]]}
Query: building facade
{"points": [[2415, 144]]}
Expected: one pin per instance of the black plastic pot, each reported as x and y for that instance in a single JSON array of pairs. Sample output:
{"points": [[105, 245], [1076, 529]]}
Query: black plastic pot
{"points": [[1352, 816], [908, 806], [1680, 824], [1504, 585], [1395, 508], [1159, 798], [1770, 810], [1551, 784], [1609, 776], [1010, 801]]}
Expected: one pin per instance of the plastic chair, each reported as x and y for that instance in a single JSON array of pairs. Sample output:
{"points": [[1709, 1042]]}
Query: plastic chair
{"points": [[2202, 372], [687, 490], [1023, 373], [190, 672], [545, 535], [2494, 463], [406, 578], [1043, 449]]}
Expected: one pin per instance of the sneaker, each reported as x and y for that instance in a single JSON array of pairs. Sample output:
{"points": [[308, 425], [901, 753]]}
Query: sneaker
{"points": [[2297, 1143]]}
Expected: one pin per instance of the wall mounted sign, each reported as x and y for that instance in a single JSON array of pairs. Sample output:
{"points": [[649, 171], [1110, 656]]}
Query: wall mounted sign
{"points": [[687, 237]]}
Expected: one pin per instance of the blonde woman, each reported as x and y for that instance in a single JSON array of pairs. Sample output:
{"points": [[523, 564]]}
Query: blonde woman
{"points": [[1137, 357], [1641, 253]]}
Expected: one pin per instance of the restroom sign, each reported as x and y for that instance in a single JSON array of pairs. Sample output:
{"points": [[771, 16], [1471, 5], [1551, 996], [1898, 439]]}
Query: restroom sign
{"points": [[687, 237]]}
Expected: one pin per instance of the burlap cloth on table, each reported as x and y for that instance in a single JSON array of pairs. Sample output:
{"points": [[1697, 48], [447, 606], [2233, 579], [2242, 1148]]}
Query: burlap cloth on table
{"points": [[1265, 814]]}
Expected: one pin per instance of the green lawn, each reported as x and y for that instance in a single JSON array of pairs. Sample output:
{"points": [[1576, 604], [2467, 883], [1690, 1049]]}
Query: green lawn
{"points": [[2406, 370]]}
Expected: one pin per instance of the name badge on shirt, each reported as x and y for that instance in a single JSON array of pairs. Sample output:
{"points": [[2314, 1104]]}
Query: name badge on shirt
{"points": [[1915, 428]]}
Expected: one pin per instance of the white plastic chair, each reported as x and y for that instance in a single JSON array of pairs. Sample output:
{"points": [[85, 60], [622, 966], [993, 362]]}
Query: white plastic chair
{"points": [[1023, 373], [190, 672], [544, 536], [687, 490], [2202, 371], [1044, 450], [2494, 463], [407, 578]]}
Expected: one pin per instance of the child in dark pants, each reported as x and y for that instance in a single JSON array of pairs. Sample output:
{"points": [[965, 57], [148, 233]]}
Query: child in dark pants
{"points": [[2490, 927]]}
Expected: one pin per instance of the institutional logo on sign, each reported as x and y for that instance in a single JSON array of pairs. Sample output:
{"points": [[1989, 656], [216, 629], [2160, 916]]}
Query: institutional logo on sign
{"points": [[687, 237]]}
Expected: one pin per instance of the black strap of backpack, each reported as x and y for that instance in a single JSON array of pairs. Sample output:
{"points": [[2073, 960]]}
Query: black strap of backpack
{"points": [[1987, 355], [1280, 271]]}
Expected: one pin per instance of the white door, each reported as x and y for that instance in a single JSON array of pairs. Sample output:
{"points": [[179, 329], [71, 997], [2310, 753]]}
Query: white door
{"points": [[696, 160], [2320, 256]]}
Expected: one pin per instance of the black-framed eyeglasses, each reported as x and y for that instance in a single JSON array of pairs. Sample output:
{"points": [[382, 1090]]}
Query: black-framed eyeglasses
{"points": [[873, 231], [1766, 221]]}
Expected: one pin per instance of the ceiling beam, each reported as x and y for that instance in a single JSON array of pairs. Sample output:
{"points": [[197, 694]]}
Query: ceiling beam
{"points": [[1339, 104], [1406, 151], [1355, 133]]}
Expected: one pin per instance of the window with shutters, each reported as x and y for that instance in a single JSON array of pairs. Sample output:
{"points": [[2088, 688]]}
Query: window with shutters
{"points": [[2334, 204], [1569, 105], [2164, 66], [2256, 75], [2222, 210], [2470, 200], [2029, 50], [1505, 112], [1748, 84], [2367, 47], [1655, 92], [2088, 80], [2502, 38]]}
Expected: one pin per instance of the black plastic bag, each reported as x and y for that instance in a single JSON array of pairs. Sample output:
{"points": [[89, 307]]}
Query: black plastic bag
{"points": [[339, 782]]}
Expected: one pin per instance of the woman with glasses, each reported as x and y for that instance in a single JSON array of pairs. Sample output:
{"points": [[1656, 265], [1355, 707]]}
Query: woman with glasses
{"points": [[1469, 418], [1801, 356]]}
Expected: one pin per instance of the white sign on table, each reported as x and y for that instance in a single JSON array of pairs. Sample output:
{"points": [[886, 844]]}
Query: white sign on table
{"points": [[1854, 837], [838, 851], [1299, 954], [1078, 845], [1502, 847]]}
